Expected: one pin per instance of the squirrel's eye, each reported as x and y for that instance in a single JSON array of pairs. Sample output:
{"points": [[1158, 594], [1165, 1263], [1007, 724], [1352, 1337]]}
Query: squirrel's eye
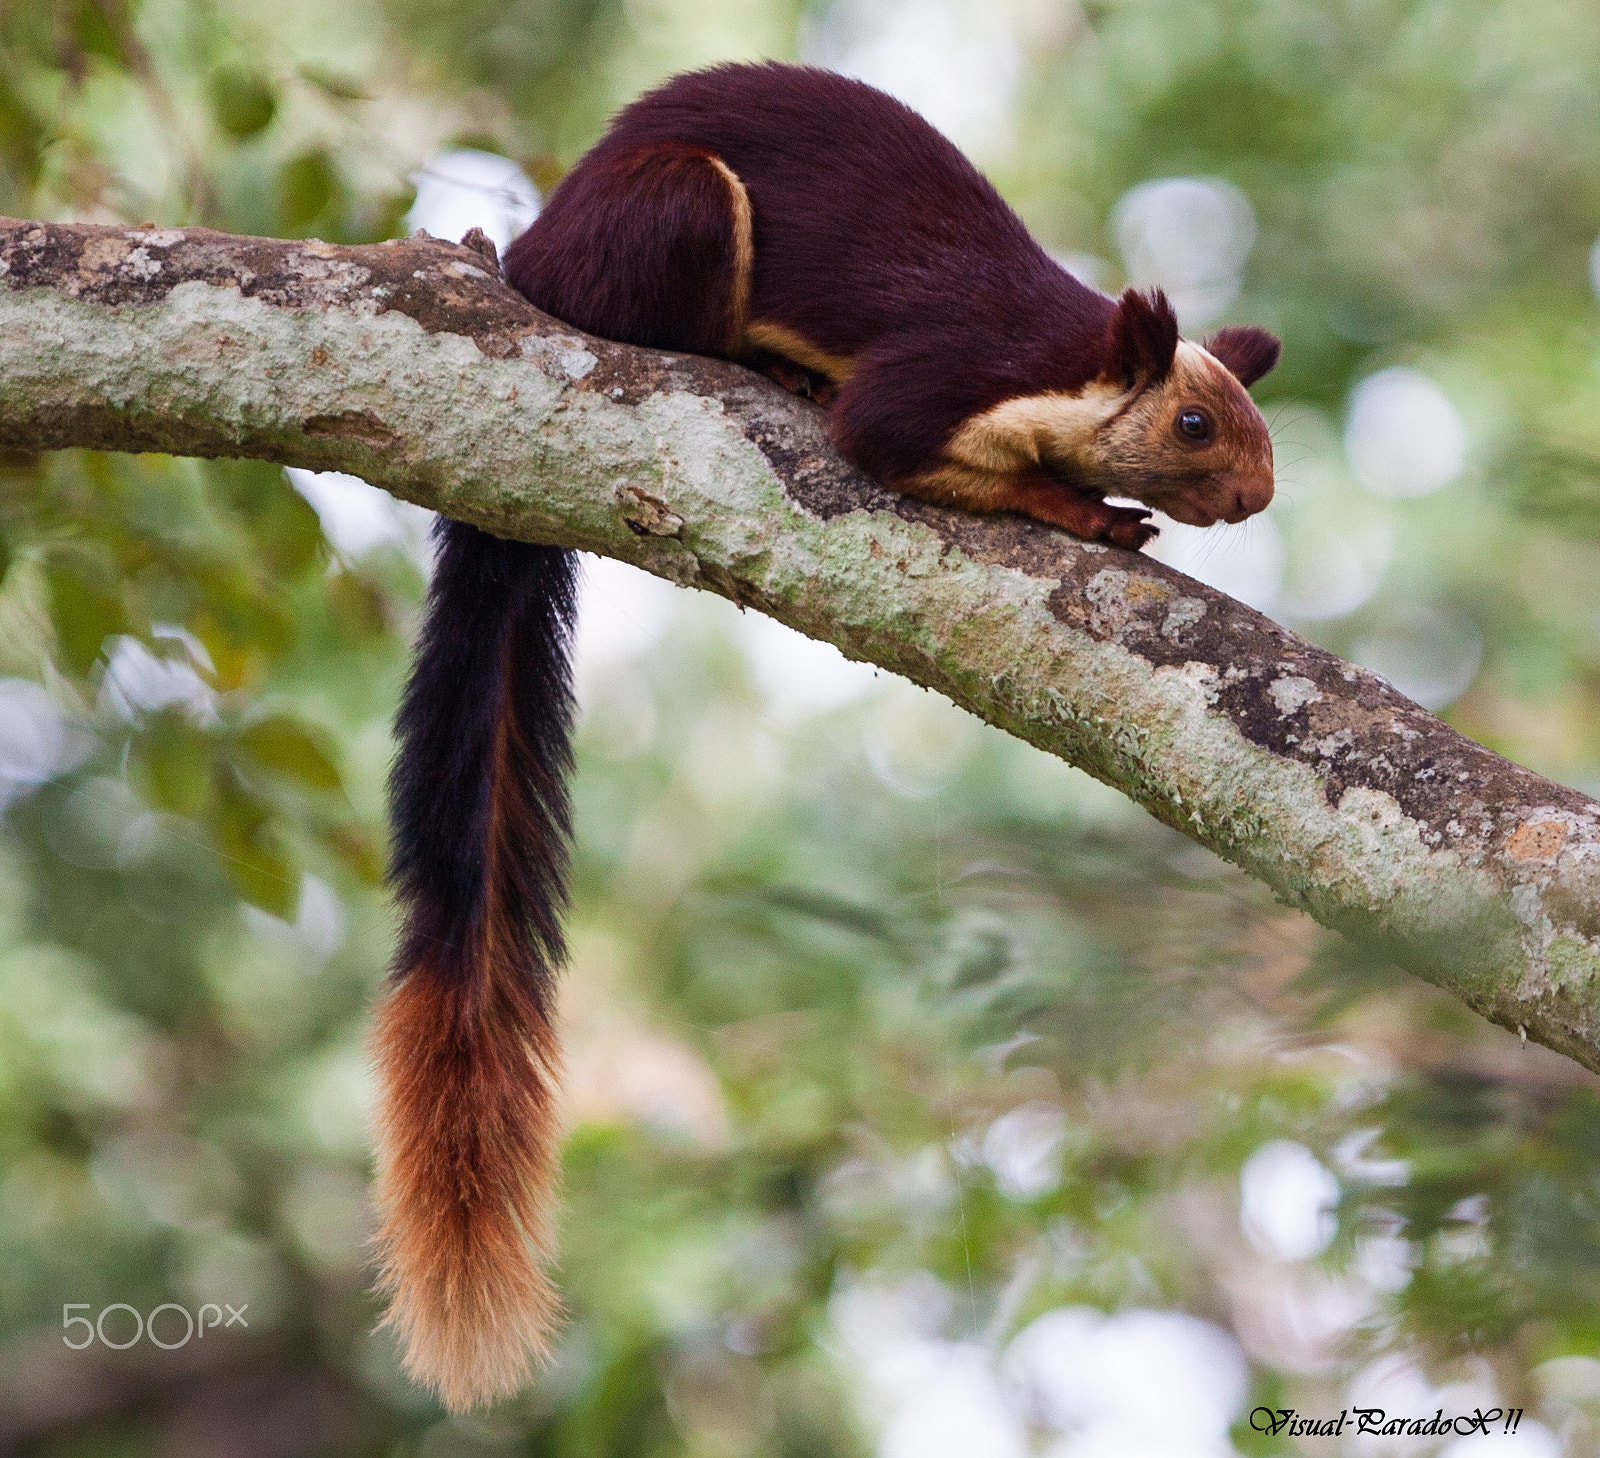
{"points": [[1194, 425]]}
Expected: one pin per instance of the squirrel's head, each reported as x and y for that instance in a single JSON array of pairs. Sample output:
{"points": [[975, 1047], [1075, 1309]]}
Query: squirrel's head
{"points": [[1185, 436]]}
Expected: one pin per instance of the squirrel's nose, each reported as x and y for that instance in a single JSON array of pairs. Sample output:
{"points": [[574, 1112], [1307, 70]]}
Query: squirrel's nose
{"points": [[1251, 496]]}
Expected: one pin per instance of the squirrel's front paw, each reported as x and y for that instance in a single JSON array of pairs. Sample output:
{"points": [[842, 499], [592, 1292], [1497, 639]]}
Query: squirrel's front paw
{"points": [[1127, 526]]}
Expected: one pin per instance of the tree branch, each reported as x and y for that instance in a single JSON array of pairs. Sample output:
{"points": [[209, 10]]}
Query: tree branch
{"points": [[413, 365]]}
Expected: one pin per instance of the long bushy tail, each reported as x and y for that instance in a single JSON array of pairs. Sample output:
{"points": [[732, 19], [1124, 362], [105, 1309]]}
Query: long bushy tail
{"points": [[465, 1043]]}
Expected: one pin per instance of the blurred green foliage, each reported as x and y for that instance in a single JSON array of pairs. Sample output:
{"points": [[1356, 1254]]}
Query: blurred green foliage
{"points": [[862, 996]]}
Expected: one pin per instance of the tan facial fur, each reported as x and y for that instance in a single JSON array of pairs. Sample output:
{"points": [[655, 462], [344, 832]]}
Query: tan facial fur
{"points": [[1140, 452], [1117, 442]]}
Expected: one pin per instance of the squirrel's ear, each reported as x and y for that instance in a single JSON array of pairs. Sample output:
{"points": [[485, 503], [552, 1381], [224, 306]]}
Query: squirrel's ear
{"points": [[1142, 339], [1248, 352]]}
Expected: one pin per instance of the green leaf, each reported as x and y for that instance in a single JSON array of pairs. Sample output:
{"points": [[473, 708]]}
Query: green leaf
{"points": [[177, 761], [358, 605], [98, 33], [244, 830], [285, 533], [355, 848], [239, 607], [283, 745], [306, 186], [243, 102], [84, 613], [21, 137]]}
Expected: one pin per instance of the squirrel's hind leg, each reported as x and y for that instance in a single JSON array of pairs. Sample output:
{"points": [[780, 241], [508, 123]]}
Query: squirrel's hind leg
{"points": [[796, 379], [647, 244]]}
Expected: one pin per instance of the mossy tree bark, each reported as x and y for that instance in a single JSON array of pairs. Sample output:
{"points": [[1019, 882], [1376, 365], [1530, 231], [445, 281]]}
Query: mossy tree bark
{"points": [[413, 365]]}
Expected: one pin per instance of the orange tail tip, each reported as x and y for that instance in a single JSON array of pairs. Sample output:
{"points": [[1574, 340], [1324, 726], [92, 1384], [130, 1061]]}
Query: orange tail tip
{"points": [[468, 1141]]}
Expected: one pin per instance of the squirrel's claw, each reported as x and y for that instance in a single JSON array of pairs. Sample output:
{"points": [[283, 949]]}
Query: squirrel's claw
{"points": [[1128, 526]]}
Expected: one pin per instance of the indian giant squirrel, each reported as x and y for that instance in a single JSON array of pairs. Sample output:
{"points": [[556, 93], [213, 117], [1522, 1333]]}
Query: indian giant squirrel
{"points": [[817, 229]]}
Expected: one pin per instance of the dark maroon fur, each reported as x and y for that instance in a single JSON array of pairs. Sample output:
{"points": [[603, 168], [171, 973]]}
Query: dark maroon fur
{"points": [[1142, 339], [874, 237], [637, 244], [1247, 351], [495, 646]]}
